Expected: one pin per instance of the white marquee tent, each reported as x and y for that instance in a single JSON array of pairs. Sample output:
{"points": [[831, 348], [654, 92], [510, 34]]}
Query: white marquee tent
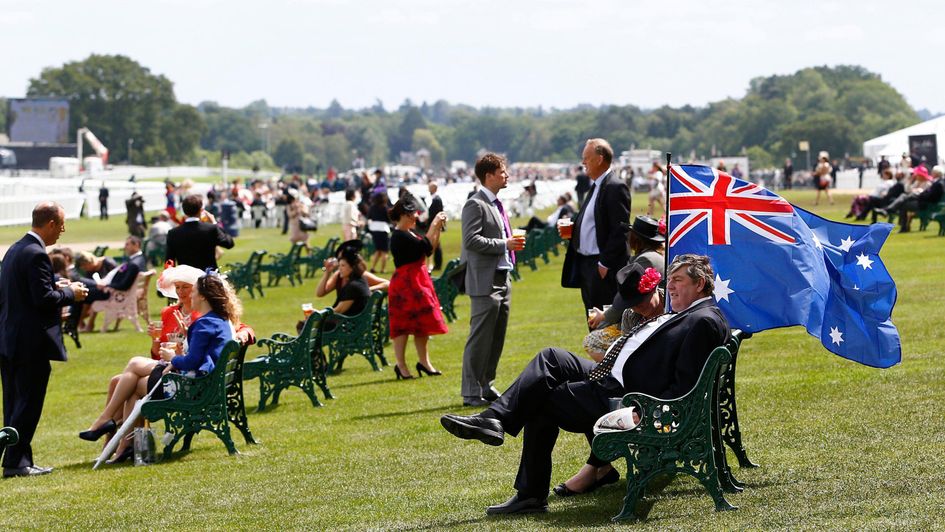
{"points": [[894, 144]]}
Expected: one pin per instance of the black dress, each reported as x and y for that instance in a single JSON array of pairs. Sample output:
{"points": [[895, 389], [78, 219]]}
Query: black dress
{"points": [[377, 219]]}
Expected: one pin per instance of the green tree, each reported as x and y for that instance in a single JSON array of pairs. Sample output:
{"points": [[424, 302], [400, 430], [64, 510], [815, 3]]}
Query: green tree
{"points": [[425, 139], [118, 99], [288, 153], [338, 151]]}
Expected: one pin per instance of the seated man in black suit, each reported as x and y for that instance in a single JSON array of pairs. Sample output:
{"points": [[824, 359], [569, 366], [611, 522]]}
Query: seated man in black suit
{"points": [[195, 241], [119, 279], [662, 356]]}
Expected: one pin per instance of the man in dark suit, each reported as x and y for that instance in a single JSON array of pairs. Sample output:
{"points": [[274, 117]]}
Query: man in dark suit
{"points": [[30, 335], [488, 253], [122, 280], [662, 356], [923, 200], [436, 207], [195, 241], [598, 246]]}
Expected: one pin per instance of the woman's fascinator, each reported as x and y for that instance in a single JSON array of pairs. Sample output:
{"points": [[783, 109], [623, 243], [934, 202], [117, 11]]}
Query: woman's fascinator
{"points": [[349, 250]]}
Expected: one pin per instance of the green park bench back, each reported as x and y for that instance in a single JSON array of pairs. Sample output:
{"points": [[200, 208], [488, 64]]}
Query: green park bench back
{"points": [[674, 436], [99, 251], [211, 402], [292, 361], [317, 256], [346, 336], [247, 274], [285, 265], [446, 291]]}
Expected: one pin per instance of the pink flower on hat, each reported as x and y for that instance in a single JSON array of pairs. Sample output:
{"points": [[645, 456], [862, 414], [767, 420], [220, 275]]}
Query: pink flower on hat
{"points": [[662, 226], [649, 280]]}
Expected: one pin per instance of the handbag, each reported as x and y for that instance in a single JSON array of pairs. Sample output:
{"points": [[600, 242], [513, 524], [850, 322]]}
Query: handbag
{"points": [[308, 224]]}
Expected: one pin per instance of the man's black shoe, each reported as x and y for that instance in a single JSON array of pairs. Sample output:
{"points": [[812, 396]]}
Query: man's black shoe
{"points": [[28, 471], [486, 430], [475, 401], [491, 394], [518, 505]]}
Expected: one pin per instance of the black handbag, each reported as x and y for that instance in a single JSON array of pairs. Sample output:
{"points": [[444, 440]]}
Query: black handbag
{"points": [[308, 224]]}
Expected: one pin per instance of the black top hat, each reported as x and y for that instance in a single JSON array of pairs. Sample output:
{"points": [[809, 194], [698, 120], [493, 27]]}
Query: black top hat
{"points": [[646, 228], [637, 282], [349, 250]]}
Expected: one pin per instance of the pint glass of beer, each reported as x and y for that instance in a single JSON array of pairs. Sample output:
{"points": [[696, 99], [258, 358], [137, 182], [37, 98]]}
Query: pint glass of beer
{"points": [[307, 309], [564, 228]]}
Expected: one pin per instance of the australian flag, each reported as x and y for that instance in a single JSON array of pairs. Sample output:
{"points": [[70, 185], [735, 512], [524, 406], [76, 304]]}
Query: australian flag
{"points": [[778, 265]]}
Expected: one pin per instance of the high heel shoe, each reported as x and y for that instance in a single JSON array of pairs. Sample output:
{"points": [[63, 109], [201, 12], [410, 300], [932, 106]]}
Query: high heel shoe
{"points": [[421, 369], [123, 457], [401, 375], [95, 434]]}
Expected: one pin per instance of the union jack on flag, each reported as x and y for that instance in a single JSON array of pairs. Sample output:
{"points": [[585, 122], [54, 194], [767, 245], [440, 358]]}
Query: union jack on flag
{"points": [[778, 265], [704, 193]]}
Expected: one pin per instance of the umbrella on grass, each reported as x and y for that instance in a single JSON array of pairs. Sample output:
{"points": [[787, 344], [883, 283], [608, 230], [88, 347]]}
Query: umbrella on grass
{"points": [[124, 428]]}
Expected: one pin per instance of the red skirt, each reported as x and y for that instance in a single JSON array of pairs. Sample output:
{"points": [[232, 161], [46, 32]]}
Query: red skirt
{"points": [[413, 307]]}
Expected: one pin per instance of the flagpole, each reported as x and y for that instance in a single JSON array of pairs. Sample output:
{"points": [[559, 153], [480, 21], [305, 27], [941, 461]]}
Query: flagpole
{"points": [[669, 161]]}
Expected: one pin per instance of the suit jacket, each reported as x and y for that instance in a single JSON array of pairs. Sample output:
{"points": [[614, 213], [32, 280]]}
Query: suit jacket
{"points": [[932, 195], [30, 319], [436, 206], [483, 243], [611, 207], [194, 244], [127, 273], [668, 363]]}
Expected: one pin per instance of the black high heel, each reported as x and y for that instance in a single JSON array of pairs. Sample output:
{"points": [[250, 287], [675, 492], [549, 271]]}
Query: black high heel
{"points": [[421, 369], [95, 434], [124, 456], [401, 375]]}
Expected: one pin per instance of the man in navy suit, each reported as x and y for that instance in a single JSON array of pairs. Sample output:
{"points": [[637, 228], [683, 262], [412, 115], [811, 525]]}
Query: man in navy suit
{"points": [[598, 246], [662, 357], [195, 241], [30, 335]]}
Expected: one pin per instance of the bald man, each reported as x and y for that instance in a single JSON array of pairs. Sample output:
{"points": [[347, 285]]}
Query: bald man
{"points": [[30, 335]]}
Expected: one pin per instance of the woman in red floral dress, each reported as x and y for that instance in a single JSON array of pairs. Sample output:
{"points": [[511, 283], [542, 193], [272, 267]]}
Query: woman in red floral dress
{"points": [[413, 306]]}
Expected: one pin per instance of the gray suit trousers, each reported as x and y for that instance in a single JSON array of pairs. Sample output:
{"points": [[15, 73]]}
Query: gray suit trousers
{"points": [[487, 323]]}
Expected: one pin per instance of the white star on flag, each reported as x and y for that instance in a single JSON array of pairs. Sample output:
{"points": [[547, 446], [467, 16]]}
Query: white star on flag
{"points": [[855, 287], [864, 261], [722, 291], [836, 337], [816, 241], [846, 244]]}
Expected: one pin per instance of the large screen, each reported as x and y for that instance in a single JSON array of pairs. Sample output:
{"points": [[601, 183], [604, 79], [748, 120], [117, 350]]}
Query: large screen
{"points": [[38, 120]]}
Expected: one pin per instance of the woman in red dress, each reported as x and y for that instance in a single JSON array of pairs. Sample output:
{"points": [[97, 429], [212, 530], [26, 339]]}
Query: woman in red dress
{"points": [[413, 306]]}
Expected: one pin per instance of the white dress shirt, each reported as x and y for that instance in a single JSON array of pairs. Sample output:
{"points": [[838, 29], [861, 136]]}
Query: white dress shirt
{"points": [[588, 242]]}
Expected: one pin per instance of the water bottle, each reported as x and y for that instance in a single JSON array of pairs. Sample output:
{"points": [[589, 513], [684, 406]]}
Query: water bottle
{"points": [[144, 447]]}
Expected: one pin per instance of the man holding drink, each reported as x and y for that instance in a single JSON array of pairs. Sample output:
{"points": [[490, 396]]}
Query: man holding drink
{"points": [[488, 252], [597, 247]]}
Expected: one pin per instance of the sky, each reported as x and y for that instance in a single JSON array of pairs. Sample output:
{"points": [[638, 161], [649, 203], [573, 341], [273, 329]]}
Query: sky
{"points": [[526, 53]]}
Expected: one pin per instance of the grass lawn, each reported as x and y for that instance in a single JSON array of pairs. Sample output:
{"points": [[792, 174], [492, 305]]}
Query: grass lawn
{"points": [[840, 445]]}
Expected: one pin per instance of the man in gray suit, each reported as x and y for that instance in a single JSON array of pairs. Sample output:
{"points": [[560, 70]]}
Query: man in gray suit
{"points": [[489, 255]]}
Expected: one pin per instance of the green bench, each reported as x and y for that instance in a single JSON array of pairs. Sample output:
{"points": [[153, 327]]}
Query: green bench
{"points": [[154, 252], [674, 436], [940, 218], [380, 326], [346, 336], [292, 361], [99, 251], [446, 291], [284, 265], [212, 402], [8, 436], [316, 257], [247, 274]]}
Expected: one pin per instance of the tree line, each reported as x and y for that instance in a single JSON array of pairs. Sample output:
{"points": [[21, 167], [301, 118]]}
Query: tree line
{"points": [[834, 108]]}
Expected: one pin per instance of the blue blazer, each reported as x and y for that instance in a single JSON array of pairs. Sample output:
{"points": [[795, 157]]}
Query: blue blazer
{"points": [[205, 340], [30, 319]]}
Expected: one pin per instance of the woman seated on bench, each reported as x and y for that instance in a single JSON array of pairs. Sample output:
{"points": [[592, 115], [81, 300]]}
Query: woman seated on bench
{"points": [[219, 309], [351, 283]]}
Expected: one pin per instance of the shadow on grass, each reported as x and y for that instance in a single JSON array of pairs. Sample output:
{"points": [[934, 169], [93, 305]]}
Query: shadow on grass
{"points": [[438, 409]]}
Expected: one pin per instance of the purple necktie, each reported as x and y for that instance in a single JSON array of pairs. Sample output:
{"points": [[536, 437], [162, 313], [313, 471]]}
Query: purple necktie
{"points": [[508, 228]]}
